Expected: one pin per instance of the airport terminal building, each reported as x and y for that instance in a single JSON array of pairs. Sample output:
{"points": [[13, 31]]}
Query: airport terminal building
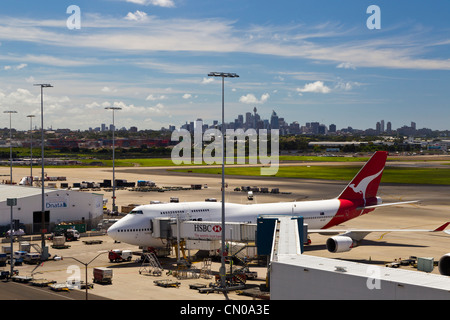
{"points": [[60, 206]]}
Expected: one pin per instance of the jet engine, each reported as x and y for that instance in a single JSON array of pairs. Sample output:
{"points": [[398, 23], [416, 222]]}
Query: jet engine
{"points": [[444, 265], [340, 244]]}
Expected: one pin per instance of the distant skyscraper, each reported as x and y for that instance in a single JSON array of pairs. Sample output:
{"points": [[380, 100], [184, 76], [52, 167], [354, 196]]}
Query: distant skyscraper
{"points": [[332, 128], [248, 120], [315, 127], [241, 119], [389, 127], [274, 121], [322, 129], [382, 126]]}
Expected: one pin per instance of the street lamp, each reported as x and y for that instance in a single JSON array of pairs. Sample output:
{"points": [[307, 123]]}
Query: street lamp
{"points": [[223, 75], [86, 267], [44, 254], [113, 154], [10, 145], [31, 116]]}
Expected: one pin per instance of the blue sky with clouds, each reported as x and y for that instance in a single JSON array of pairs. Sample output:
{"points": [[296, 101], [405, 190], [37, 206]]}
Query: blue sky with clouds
{"points": [[307, 60]]}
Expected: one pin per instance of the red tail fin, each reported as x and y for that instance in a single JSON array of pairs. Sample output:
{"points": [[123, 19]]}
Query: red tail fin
{"points": [[365, 184]]}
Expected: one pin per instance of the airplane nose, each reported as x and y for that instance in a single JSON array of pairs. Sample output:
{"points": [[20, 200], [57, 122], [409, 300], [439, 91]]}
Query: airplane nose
{"points": [[112, 232]]}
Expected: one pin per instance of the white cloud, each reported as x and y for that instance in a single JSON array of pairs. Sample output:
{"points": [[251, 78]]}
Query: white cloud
{"points": [[346, 65], [158, 3], [92, 105], [187, 96], [18, 67], [207, 80], [158, 109], [317, 87], [208, 35], [151, 97], [136, 16], [346, 85], [251, 99]]}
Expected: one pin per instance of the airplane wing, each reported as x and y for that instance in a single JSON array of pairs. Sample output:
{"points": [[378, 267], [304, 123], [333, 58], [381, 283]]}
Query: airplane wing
{"points": [[367, 231], [344, 240]]}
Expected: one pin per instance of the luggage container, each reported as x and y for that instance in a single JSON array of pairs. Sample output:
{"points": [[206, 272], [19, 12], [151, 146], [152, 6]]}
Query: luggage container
{"points": [[59, 240], [6, 249], [24, 246], [32, 258], [103, 275], [425, 264], [3, 259], [19, 256]]}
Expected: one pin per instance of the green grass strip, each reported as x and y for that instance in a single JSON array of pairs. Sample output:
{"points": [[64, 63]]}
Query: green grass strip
{"points": [[346, 173]]}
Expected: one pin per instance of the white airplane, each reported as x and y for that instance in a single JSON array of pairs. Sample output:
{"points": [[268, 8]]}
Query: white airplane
{"points": [[358, 198]]}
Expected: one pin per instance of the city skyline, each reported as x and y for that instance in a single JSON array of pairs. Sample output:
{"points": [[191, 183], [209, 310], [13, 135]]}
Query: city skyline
{"points": [[319, 61], [255, 121]]}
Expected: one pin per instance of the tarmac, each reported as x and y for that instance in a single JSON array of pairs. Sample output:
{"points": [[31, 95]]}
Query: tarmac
{"points": [[377, 248]]}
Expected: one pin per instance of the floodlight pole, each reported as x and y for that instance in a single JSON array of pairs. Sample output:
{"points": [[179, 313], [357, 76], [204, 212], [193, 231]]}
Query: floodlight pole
{"points": [[43, 85], [31, 116], [113, 156], [223, 75], [11, 202], [10, 144]]}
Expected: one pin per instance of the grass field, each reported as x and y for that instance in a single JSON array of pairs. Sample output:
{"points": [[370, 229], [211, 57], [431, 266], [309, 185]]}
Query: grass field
{"points": [[163, 162], [159, 162], [345, 173]]}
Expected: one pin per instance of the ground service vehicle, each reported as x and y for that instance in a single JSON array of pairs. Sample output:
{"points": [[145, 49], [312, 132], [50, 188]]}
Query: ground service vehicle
{"points": [[69, 234], [120, 255]]}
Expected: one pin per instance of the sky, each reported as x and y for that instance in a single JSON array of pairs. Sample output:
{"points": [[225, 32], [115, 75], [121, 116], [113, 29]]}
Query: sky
{"points": [[333, 62]]}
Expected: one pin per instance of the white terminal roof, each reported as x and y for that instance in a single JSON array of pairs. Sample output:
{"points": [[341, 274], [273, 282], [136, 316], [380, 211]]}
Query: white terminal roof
{"points": [[12, 191], [287, 252], [363, 270]]}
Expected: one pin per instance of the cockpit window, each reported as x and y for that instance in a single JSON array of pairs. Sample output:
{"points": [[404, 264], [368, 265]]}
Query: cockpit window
{"points": [[136, 212]]}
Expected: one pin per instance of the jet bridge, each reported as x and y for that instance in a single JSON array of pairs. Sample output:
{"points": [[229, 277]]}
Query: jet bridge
{"points": [[203, 235], [280, 235], [296, 276]]}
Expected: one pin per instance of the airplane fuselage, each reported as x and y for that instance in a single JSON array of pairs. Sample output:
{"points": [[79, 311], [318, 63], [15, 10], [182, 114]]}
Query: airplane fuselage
{"points": [[136, 227]]}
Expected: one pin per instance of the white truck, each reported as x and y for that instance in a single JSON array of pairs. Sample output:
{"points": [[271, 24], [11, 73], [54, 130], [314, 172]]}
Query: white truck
{"points": [[117, 255]]}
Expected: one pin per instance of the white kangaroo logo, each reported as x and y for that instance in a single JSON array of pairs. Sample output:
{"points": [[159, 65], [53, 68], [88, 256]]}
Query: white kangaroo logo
{"points": [[363, 184]]}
